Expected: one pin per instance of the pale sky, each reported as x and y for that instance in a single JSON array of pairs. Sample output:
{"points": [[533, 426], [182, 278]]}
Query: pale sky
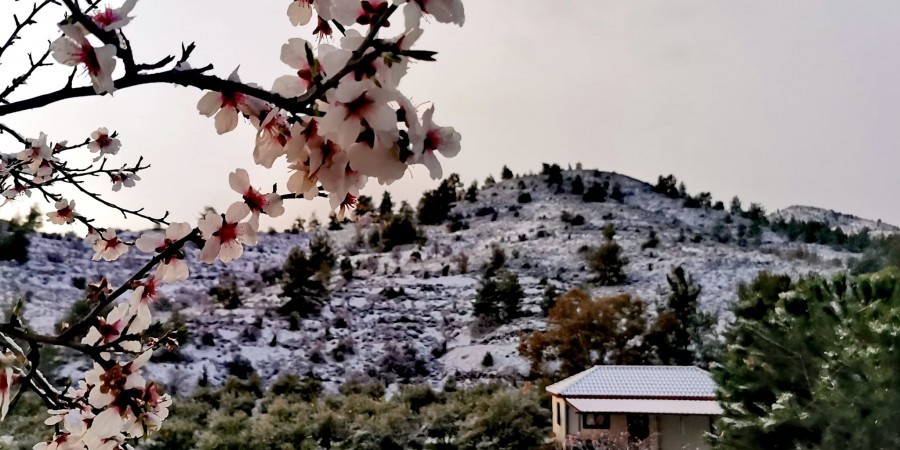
{"points": [[778, 102]]}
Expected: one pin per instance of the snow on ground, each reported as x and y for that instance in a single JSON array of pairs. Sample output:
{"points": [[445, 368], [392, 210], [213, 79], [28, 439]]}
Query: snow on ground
{"points": [[434, 313]]}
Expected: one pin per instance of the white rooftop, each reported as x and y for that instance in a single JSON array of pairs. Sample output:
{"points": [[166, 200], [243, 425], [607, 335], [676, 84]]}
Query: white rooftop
{"points": [[645, 406], [659, 382]]}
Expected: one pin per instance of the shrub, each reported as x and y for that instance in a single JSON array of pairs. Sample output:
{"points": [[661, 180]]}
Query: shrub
{"points": [[488, 360], [302, 285], [668, 186], [498, 299], [617, 193], [506, 174], [435, 205], [524, 197], [595, 194], [651, 242], [227, 294], [608, 263], [577, 185]]}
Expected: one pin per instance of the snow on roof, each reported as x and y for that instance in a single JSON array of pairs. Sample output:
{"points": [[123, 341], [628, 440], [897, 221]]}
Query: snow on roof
{"points": [[666, 382], [644, 406]]}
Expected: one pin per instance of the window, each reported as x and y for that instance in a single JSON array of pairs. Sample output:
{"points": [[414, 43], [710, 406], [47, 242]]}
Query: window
{"points": [[595, 420], [558, 415]]}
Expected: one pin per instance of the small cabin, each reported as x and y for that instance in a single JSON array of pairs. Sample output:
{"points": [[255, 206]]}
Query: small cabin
{"points": [[647, 407]]}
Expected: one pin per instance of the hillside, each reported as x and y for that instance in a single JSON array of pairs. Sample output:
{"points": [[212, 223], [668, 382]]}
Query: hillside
{"points": [[433, 313], [847, 222]]}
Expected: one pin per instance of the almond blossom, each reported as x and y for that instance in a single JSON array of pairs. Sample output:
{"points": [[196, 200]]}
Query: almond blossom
{"points": [[64, 214], [36, 151], [111, 328], [349, 12], [356, 106], [271, 137], [115, 391], [73, 48], [225, 234], [113, 19], [102, 142], [7, 379], [122, 178], [108, 247], [444, 11], [143, 297], [226, 106], [435, 138], [172, 268], [294, 54], [269, 204], [299, 12]]}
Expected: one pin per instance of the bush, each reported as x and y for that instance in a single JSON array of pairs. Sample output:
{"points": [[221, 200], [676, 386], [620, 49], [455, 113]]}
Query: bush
{"points": [[651, 242], [488, 360], [667, 186], [524, 197], [577, 185], [617, 193], [506, 174], [227, 294], [608, 263], [595, 194]]}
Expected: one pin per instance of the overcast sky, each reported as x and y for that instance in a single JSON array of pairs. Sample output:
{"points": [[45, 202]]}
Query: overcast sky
{"points": [[778, 102]]}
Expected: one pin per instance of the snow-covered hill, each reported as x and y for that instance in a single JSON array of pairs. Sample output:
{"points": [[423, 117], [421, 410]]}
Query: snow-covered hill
{"points": [[849, 223], [434, 313]]}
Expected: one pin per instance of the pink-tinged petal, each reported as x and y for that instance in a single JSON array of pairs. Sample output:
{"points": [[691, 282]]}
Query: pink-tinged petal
{"points": [[236, 212], [209, 224], [299, 13], [239, 181], [99, 399], [102, 81], [138, 362], [434, 166], [107, 424], [289, 86], [275, 206], [226, 120], [149, 242], [210, 250], [412, 15], [293, 53], [209, 103], [382, 118], [178, 230], [247, 233], [230, 251]]}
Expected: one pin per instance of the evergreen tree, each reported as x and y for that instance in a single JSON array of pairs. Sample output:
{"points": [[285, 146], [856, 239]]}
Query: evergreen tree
{"points": [[596, 193], [472, 192], [617, 193], [435, 205], [607, 261], [304, 290], [364, 205], [489, 181], [736, 207], [498, 299], [812, 365], [679, 331], [347, 269], [554, 175], [333, 223], [506, 174], [578, 185], [667, 186], [386, 208]]}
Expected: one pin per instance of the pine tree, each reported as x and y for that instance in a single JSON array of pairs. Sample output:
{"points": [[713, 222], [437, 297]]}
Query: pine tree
{"points": [[577, 185], [472, 192], [506, 174], [303, 289], [607, 261], [498, 299], [386, 208], [679, 331], [435, 205]]}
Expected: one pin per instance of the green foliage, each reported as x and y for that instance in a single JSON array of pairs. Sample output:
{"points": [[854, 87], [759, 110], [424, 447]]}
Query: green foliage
{"points": [[301, 285], [497, 261], [682, 329], [822, 233], [227, 293], [14, 236], [498, 299], [881, 252], [668, 186], [386, 208], [435, 205], [346, 269], [577, 185], [597, 193], [472, 192], [553, 173], [399, 230], [812, 365], [607, 261]]}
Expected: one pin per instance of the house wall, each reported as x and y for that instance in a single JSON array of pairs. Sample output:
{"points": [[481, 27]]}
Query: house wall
{"points": [[559, 429], [683, 432], [618, 429]]}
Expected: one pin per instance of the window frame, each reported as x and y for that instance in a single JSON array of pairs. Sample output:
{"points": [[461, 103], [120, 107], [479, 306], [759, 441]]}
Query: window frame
{"points": [[606, 421]]}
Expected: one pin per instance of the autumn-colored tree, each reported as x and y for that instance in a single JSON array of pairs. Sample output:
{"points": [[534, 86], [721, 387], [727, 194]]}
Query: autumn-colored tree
{"points": [[584, 331]]}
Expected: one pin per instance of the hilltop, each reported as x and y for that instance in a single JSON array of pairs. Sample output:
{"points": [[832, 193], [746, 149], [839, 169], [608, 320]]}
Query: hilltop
{"points": [[414, 304]]}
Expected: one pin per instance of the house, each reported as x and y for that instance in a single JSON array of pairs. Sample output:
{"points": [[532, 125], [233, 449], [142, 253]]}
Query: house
{"points": [[662, 407]]}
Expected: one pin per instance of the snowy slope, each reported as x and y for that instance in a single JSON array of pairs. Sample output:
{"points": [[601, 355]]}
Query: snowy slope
{"points": [[849, 223], [435, 314]]}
